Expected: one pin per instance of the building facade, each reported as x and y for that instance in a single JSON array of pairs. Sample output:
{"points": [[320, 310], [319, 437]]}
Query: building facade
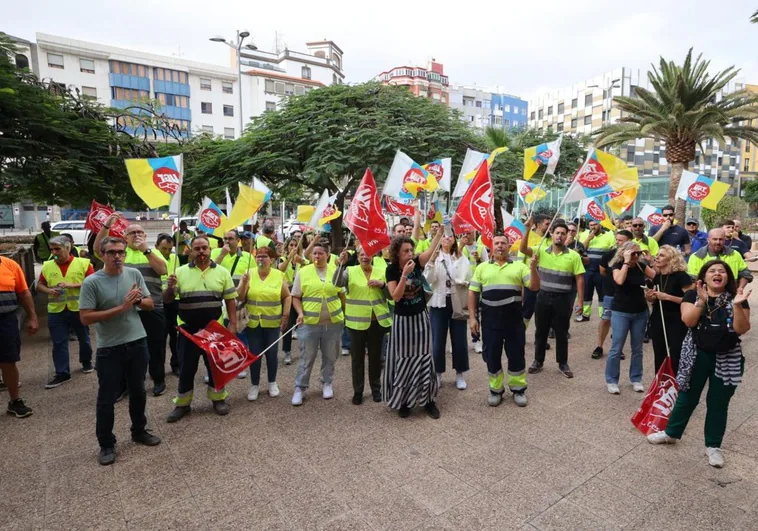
{"points": [[430, 82], [749, 164], [481, 107], [584, 107]]}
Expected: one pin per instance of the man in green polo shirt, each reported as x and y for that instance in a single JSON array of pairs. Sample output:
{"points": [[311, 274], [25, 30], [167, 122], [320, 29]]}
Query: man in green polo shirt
{"points": [[559, 268], [645, 242]]}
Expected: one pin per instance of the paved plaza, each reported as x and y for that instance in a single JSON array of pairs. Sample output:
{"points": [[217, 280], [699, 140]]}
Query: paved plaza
{"points": [[570, 460]]}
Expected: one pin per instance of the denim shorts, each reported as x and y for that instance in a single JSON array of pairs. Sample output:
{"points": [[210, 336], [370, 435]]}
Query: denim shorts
{"points": [[607, 301]]}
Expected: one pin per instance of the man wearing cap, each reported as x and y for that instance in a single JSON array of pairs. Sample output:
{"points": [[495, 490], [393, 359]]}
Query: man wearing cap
{"points": [[266, 239], [669, 233], [246, 241], [698, 238]]}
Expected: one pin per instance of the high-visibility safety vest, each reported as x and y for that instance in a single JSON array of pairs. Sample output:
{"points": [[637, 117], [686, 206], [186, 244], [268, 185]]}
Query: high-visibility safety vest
{"points": [[599, 245], [264, 299], [201, 293], [75, 274], [137, 260], [315, 292], [480, 251], [246, 262], [362, 301], [292, 270], [43, 244], [733, 259]]}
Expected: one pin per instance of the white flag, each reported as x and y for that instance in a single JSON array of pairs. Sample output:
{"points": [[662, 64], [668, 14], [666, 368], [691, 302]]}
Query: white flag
{"points": [[470, 163]]}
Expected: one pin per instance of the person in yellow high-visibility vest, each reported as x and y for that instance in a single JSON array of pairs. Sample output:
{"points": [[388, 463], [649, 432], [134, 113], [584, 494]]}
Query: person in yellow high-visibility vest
{"points": [[318, 303], [267, 298], [290, 265], [164, 245], [61, 280], [367, 318]]}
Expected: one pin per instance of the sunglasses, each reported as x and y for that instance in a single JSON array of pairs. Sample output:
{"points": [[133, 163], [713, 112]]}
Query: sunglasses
{"points": [[115, 253], [135, 232], [693, 224], [638, 225], [668, 215]]}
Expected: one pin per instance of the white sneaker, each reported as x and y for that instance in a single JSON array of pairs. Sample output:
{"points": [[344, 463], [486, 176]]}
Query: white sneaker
{"points": [[613, 389], [242, 375], [478, 346], [460, 383], [287, 358], [297, 397], [638, 387], [345, 352], [660, 437], [520, 399], [715, 457], [252, 396], [494, 399], [206, 379], [439, 380], [273, 389], [294, 334], [328, 391]]}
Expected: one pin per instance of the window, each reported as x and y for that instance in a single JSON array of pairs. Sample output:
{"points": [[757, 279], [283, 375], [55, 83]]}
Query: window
{"points": [[559, 127], [506, 108], [539, 114], [270, 106], [89, 93], [531, 116], [279, 87], [605, 94], [87, 66], [299, 90], [487, 104], [588, 100], [228, 110], [747, 147], [470, 118], [206, 107], [229, 133], [605, 115], [205, 84], [523, 111], [289, 88], [208, 129], [561, 108], [515, 123], [54, 60], [588, 120], [498, 120], [479, 103], [720, 161], [305, 72], [656, 157], [128, 69], [118, 93], [269, 86], [173, 100], [630, 154], [165, 74], [227, 87], [22, 61], [550, 111], [515, 110], [746, 166], [574, 103]]}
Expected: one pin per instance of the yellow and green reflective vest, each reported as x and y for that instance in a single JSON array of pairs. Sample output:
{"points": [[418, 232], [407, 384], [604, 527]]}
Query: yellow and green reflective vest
{"points": [[264, 299], [315, 291], [363, 301], [75, 274]]}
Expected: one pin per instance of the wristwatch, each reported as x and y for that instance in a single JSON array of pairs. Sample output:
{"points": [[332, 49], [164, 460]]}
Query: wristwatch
{"points": [[147, 252]]}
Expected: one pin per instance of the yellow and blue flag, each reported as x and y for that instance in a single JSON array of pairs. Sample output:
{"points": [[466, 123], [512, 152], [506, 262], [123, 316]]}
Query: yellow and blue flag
{"points": [[700, 190], [210, 218], [305, 213], [601, 174], [433, 213], [249, 201], [620, 202], [528, 192], [406, 178], [158, 182], [546, 154]]}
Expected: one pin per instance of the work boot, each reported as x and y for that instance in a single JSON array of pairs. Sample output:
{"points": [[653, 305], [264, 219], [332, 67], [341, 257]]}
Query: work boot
{"points": [[221, 407], [178, 414]]}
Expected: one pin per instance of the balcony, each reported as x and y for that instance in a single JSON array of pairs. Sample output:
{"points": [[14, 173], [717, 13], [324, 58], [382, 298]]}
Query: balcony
{"points": [[177, 113], [127, 81], [170, 87]]}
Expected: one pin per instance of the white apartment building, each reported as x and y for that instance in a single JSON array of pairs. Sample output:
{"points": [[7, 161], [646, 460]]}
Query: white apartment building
{"points": [[483, 107]]}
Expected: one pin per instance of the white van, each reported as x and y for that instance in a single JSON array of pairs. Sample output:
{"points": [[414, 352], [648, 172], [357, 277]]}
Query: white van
{"points": [[74, 228]]}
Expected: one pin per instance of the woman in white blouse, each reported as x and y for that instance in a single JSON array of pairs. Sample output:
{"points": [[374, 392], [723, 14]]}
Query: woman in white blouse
{"points": [[448, 273]]}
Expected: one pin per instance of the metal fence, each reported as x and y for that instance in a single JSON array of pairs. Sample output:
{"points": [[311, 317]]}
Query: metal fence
{"points": [[25, 258]]}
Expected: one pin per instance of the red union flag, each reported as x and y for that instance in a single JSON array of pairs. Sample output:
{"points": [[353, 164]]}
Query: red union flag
{"points": [[398, 208], [365, 217], [227, 355], [653, 414], [167, 179], [476, 207], [98, 213]]}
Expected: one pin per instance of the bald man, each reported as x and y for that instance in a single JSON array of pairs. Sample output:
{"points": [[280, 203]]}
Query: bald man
{"points": [[716, 249]]}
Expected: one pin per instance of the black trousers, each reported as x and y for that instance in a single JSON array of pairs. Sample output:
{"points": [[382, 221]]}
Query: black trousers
{"points": [[676, 331], [552, 310], [155, 327], [172, 312], [362, 341]]}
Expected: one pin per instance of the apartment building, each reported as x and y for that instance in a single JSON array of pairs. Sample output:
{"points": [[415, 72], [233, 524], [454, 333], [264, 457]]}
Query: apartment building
{"points": [[430, 82]]}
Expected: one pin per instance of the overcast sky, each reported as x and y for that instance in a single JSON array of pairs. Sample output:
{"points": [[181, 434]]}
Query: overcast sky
{"points": [[522, 47]]}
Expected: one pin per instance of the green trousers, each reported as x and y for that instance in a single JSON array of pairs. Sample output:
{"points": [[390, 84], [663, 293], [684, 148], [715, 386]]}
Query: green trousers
{"points": [[716, 401]]}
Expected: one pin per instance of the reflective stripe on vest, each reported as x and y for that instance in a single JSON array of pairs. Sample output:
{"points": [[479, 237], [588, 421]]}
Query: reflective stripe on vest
{"points": [[75, 274], [363, 301], [8, 301], [137, 260], [264, 299], [315, 292]]}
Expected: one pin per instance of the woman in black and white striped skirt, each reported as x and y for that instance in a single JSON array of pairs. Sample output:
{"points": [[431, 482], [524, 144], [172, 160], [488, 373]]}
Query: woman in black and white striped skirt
{"points": [[409, 378]]}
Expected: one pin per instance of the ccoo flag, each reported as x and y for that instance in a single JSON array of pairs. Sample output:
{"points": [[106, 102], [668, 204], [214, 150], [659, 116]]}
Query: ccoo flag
{"points": [[601, 174], [701, 190], [210, 217], [365, 219], [529, 193], [546, 154], [158, 182], [407, 177], [476, 207]]}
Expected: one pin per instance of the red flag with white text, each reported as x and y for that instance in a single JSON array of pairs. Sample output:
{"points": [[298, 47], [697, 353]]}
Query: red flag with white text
{"points": [[476, 207], [397, 207], [98, 213], [655, 410], [365, 218], [227, 355]]}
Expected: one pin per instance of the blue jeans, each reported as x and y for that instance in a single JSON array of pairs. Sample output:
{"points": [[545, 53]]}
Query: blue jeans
{"points": [[442, 319], [59, 325], [312, 338], [114, 364], [346, 339], [622, 324], [259, 338]]}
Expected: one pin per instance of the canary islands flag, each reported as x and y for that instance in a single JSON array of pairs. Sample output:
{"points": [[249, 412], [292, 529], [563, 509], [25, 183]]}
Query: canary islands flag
{"points": [[210, 217], [305, 213], [407, 177], [601, 174], [470, 167], [158, 182], [528, 192], [620, 202], [249, 201], [325, 211], [433, 214], [701, 190], [546, 154]]}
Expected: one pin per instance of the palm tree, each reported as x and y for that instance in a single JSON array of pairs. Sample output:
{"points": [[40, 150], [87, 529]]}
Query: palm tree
{"points": [[684, 108]]}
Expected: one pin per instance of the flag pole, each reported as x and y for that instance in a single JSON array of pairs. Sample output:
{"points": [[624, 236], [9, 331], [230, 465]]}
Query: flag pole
{"points": [[538, 186]]}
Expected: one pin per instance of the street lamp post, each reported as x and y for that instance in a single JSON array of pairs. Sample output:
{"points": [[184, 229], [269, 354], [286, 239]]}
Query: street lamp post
{"points": [[237, 45]]}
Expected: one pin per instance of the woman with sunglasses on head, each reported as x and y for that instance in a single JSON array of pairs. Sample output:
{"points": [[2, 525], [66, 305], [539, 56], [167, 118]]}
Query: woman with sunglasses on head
{"points": [[669, 285], [628, 314], [717, 315]]}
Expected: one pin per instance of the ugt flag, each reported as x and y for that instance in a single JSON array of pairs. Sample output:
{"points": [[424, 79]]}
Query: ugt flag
{"points": [[210, 217], [98, 213], [652, 215], [407, 177], [513, 229], [593, 209], [701, 190], [620, 202], [528, 192], [601, 174], [227, 355], [476, 207], [158, 182], [546, 154], [365, 218], [441, 169]]}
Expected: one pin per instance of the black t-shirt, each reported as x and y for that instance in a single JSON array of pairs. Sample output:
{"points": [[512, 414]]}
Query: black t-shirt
{"points": [[737, 244], [413, 301], [672, 284], [609, 286], [691, 297], [676, 236], [713, 332], [629, 296]]}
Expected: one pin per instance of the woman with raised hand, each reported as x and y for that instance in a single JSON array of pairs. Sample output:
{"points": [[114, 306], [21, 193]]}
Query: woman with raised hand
{"points": [[290, 264], [717, 315]]}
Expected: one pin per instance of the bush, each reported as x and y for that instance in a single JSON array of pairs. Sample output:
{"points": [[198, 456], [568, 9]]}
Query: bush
{"points": [[730, 207]]}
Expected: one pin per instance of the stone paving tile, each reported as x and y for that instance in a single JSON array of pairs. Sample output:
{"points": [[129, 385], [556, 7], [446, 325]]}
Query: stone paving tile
{"points": [[568, 516], [438, 491], [608, 502], [98, 512]]}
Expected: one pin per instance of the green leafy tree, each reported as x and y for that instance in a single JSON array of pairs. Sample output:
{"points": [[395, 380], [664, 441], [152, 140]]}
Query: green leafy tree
{"points": [[683, 109], [750, 190], [730, 207], [327, 138]]}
